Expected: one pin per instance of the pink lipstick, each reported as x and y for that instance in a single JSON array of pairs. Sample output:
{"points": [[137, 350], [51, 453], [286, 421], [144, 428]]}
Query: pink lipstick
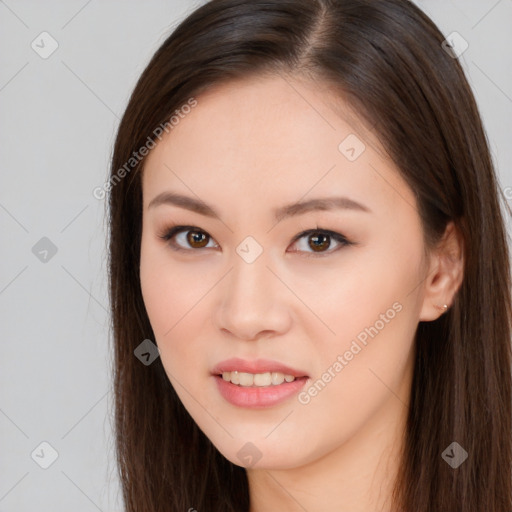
{"points": [[258, 383]]}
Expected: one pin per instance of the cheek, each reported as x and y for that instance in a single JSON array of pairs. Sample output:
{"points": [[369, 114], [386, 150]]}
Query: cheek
{"points": [[174, 295], [361, 373], [350, 298], [163, 293], [372, 312], [167, 290]]}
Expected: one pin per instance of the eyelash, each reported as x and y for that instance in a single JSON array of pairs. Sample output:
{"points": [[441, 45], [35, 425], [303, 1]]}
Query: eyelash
{"points": [[171, 232]]}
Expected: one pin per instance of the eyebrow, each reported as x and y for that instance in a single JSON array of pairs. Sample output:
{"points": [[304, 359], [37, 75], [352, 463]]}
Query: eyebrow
{"points": [[283, 212]]}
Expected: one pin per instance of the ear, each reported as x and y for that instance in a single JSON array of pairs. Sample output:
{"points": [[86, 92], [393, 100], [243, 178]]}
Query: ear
{"points": [[444, 274]]}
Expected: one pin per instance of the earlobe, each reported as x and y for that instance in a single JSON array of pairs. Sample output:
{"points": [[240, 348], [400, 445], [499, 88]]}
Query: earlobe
{"points": [[443, 308], [444, 275]]}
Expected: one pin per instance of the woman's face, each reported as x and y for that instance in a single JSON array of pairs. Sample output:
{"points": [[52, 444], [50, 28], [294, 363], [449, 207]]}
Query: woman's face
{"points": [[241, 290]]}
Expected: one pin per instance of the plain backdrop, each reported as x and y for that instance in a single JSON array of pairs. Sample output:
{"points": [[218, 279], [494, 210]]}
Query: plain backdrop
{"points": [[59, 115]]}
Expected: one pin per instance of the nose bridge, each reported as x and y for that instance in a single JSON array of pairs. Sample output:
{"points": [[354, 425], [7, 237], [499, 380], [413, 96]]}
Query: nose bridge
{"points": [[249, 280], [251, 299]]}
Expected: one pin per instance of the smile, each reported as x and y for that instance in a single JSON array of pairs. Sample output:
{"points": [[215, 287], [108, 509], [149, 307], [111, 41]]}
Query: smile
{"points": [[257, 383]]}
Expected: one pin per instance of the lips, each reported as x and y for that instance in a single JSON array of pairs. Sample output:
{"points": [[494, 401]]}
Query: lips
{"points": [[258, 396]]}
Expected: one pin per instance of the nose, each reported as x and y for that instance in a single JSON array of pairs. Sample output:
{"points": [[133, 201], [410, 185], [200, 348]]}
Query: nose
{"points": [[252, 301]]}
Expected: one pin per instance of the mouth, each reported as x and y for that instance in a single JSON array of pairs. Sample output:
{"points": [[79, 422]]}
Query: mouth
{"points": [[257, 384]]}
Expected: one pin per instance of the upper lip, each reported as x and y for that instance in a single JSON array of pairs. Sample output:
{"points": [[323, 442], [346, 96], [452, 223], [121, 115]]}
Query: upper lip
{"points": [[255, 366]]}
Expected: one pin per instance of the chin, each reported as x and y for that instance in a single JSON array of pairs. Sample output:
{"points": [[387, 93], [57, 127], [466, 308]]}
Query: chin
{"points": [[261, 453]]}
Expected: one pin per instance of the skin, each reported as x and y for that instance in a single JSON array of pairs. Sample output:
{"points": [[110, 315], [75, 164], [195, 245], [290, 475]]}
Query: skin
{"points": [[247, 148]]}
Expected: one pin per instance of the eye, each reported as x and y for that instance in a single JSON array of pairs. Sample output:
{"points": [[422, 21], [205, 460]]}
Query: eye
{"points": [[319, 240], [196, 238]]}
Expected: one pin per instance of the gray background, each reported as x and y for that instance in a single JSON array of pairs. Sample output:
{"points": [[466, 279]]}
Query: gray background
{"points": [[59, 118]]}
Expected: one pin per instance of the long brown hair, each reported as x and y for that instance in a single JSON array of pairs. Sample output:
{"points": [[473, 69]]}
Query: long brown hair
{"points": [[386, 58]]}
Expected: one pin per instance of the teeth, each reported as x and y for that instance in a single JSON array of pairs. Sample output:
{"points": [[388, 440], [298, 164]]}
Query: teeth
{"points": [[277, 378], [257, 379], [246, 379], [262, 379]]}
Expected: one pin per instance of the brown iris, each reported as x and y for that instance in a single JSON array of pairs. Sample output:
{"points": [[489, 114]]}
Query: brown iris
{"points": [[320, 242], [197, 239]]}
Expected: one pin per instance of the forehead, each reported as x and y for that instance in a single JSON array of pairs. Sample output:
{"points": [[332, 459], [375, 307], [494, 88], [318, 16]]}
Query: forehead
{"points": [[270, 138], [271, 118]]}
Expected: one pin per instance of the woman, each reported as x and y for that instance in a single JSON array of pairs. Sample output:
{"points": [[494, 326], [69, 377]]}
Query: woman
{"points": [[304, 220]]}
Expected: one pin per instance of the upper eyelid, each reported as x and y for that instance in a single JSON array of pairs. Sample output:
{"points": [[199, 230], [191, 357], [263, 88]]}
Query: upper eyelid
{"points": [[330, 232]]}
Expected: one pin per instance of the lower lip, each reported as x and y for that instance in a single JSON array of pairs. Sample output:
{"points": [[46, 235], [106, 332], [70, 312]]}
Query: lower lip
{"points": [[255, 397]]}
